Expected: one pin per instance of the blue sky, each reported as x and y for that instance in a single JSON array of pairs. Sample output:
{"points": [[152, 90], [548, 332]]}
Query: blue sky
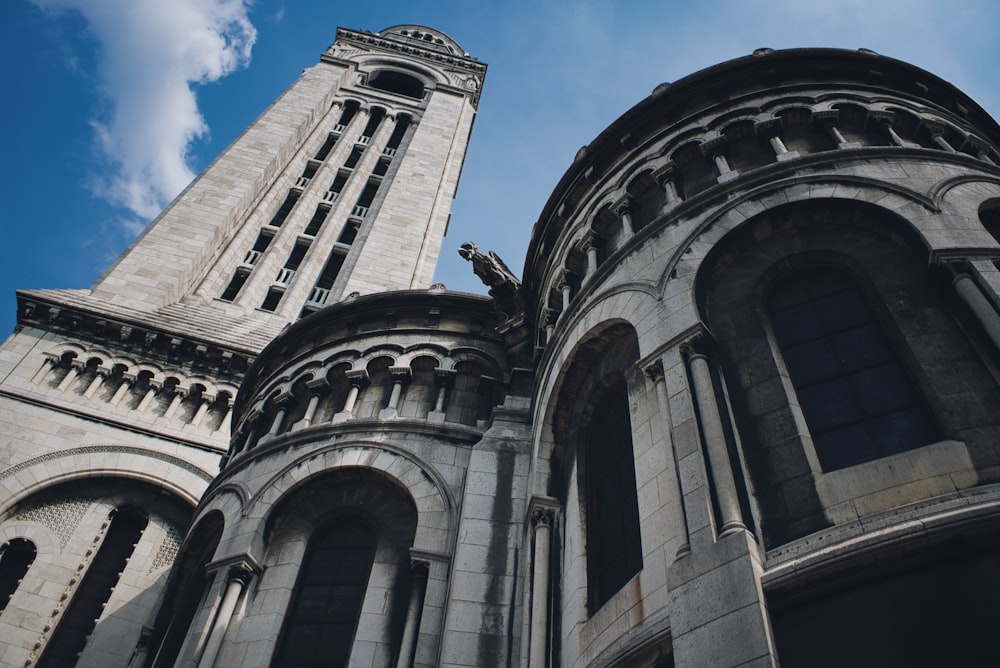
{"points": [[112, 105]]}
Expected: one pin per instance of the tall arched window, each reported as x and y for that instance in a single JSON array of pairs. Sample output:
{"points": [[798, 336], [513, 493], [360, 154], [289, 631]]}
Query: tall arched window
{"points": [[857, 399], [80, 618], [319, 627], [15, 559], [614, 548]]}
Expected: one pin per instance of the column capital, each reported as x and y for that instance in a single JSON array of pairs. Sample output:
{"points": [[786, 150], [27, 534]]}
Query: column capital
{"points": [[357, 377], [880, 117], [767, 127], [655, 372], [241, 572], [623, 204], [668, 172], [542, 516], [590, 240], [400, 373], [826, 116], [445, 376], [713, 144]]}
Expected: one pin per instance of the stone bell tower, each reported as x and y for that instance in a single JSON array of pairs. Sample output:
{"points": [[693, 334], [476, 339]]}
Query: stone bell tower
{"points": [[120, 394]]}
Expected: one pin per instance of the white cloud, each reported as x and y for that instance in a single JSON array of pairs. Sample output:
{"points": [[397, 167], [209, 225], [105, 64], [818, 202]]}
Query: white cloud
{"points": [[151, 53]]}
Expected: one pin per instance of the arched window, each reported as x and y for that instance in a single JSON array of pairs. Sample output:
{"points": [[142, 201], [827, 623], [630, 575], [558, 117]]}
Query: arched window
{"points": [[80, 618], [15, 559], [857, 399], [319, 627], [614, 548]]}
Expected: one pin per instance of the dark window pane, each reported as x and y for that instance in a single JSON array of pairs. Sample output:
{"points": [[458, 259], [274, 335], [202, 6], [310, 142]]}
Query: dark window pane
{"points": [[857, 399], [613, 538], [327, 602]]}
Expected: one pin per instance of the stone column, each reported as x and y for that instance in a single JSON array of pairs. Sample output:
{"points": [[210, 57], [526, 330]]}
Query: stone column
{"points": [[48, 363], [154, 388], [541, 520], [279, 416], [227, 419], [623, 207], [655, 373], [714, 148], [414, 611], [175, 402], [550, 316], [123, 388], [100, 373], [666, 176], [399, 376], [71, 375], [715, 443], [357, 379], [444, 378], [239, 576], [770, 127], [566, 289], [987, 316], [206, 402], [591, 243], [316, 388]]}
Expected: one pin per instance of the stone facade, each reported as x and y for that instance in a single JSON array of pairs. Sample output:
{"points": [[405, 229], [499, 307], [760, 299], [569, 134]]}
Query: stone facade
{"points": [[741, 409]]}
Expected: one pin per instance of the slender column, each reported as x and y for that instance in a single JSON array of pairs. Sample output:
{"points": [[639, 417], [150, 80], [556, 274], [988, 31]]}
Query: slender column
{"points": [[714, 148], [550, 317], [48, 364], [970, 293], [279, 418], [778, 145], [154, 388], [444, 378], [566, 289], [239, 576], [99, 375], [715, 443], [623, 207], [590, 245], [542, 522], [74, 371], [943, 143], [175, 402], [655, 374], [357, 380], [206, 402], [123, 388], [310, 410], [399, 376], [722, 164], [667, 177], [227, 419], [414, 611]]}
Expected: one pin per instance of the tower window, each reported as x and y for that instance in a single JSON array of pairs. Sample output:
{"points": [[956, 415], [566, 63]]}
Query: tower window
{"points": [[286, 208], [312, 229], [352, 159], [272, 299], [397, 82], [319, 628], [235, 285], [614, 548], [324, 150], [855, 395]]}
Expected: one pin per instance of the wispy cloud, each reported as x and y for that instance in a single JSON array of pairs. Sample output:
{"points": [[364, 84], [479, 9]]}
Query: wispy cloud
{"points": [[152, 52]]}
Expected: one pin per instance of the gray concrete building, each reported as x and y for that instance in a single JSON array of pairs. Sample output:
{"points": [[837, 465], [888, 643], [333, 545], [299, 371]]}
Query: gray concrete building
{"points": [[742, 407]]}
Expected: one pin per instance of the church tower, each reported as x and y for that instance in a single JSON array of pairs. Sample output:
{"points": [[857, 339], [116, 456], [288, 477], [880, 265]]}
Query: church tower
{"points": [[117, 400]]}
